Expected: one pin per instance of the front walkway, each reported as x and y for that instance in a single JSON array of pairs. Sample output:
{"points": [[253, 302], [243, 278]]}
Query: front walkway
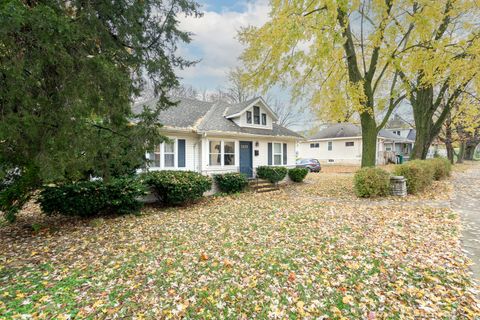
{"points": [[466, 201]]}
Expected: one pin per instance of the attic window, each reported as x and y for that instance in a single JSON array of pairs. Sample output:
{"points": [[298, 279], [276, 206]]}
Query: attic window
{"points": [[249, 116], [256, 115], [264, 119]]}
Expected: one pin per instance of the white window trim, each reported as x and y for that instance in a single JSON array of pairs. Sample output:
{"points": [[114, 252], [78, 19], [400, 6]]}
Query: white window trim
{"points": [[222, 153], [162, 157], [276, 154], [330, 146], [175, 163]]}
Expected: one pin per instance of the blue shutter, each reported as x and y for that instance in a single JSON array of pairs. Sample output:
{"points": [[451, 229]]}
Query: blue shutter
{"points": [[269, 153], [181, 153], [284, 153]]}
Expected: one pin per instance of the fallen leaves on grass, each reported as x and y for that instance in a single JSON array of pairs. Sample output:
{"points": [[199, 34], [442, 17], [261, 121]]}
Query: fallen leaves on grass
{"points": [[270, 255]]}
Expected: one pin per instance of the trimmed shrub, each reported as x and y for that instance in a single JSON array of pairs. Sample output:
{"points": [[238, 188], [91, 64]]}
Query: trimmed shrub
{"points": [[442, 168], [231, 182], [178, 187], [90, 198], [272, 174], [372, 182], [419, 174], [297, 174]]}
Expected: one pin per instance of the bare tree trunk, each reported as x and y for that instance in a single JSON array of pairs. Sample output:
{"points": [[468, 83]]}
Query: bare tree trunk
{"points": [[448, 143], [461, 152]]}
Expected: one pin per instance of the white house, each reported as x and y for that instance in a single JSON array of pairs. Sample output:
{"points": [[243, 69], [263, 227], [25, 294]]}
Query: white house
{"points": [[341, 143], [401, 128], [217, 137]]}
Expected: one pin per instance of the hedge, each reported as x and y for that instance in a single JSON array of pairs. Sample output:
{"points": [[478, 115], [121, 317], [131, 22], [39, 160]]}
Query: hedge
{"points": [[419, 174], [177, 187], [272, 174], [297, 174], [90, 198], [442, 168], [372, 182], [231, 182]]}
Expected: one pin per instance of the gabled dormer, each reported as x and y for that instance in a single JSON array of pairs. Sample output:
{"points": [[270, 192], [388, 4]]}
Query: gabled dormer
{"points": [[254, 113]]}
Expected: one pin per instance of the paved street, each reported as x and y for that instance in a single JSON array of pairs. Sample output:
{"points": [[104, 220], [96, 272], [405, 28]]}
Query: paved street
{"points": [[466, 201]]}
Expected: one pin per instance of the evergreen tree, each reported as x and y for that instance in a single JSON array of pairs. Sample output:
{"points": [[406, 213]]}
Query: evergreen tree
{"points": [[69, 72]]}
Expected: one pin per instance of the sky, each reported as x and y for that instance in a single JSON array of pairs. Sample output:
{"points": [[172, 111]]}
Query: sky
{"points": [[214, 40], [216, 46]]}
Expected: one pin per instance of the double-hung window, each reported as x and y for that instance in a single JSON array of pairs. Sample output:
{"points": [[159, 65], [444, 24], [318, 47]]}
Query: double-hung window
{"points": [[256, 115], [264, 119], [155, 157], [215, 150], [277, 154], [229, 153], [330, 145], [221, 153], [169, 154], [165, 154], [249, 117]]}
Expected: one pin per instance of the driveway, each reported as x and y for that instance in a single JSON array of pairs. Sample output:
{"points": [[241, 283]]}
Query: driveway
{"points": [[466, 201]]}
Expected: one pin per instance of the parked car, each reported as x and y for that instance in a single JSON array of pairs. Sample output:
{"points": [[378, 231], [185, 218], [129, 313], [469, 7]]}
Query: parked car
{"points": [[313, 165]]}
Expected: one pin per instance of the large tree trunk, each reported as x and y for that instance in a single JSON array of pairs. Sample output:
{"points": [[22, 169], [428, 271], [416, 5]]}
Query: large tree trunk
{"points": [[423, 123], [470, 150], [369, 140]]}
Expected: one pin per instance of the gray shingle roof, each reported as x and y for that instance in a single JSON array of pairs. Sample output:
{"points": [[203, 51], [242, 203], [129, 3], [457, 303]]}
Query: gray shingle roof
{"points": [[348, 130], [339, 130], [209, 116], [238, 107], [186, 114]]}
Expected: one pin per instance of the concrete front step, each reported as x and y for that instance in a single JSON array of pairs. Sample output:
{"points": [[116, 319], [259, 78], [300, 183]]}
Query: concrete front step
{"points": [[261, 185]]}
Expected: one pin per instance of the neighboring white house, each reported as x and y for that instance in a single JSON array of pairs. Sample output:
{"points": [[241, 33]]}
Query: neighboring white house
{"points": [[401, 128], [341, 143], [398, 126], [217, 137]]}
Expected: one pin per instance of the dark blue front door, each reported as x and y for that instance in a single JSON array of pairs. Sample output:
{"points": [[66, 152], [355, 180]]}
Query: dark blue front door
{"points": [[246, 163]]}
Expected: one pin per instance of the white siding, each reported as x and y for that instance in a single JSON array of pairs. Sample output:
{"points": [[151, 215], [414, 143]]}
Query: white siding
{"points": [[242, 120], [260, 160], [340, 153], [192, 153]]}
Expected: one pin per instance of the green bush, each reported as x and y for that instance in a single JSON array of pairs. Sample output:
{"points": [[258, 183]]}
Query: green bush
{"points": [[442, 168], [372, 182], [419, 174], [297, 174], [231, 182], [177, 187], [272, 174], [90, 198]]}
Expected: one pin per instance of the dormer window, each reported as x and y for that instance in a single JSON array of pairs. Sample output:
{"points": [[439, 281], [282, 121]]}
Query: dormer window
{"points": [[256, 115], [264, 119], [249, 117]]}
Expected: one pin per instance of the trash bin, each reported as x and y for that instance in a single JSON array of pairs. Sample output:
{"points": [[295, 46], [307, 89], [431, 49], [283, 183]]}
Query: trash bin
{"points": [[399, 159]]}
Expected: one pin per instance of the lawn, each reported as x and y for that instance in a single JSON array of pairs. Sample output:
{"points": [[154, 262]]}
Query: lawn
{"points": [[271, 255]]}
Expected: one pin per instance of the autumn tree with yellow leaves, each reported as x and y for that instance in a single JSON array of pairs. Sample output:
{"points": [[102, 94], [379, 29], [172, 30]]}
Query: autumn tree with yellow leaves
{"points": [[365, 57]]}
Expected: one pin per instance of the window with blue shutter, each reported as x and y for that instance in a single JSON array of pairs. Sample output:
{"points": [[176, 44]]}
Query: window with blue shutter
{"points": [[284, 153], [181, 153]]}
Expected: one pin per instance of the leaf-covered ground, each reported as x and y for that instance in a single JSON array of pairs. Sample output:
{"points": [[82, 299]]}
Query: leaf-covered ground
{"points": [[271, 255]]}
